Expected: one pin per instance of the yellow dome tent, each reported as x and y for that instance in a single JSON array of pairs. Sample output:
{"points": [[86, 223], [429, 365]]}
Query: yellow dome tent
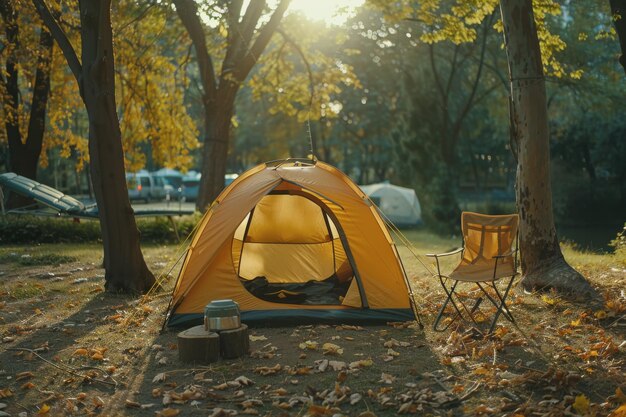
{"points": [[293, 240]]}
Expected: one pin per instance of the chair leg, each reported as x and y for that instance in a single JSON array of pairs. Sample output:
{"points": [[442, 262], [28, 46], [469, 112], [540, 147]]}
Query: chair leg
{"points": [[449, 299], [502, 306]]}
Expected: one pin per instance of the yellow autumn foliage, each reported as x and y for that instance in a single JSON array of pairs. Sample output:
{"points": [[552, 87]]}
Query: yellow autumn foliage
{"points": [[150, 83]]}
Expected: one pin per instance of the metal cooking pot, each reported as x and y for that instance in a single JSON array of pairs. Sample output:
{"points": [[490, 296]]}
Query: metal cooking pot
{"points": [[222, 315]]}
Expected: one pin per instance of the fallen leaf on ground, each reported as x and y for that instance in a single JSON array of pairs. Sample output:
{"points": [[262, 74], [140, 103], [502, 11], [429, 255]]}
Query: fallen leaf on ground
{"points": [[23, 375], [581, 404], [619, 411], [387, 378], [244, 381], [308, 345], [81, 352], [332, 349], [159, 377], [254, 338], [168, 412], [266, 370], [363, 363], [391, 343], [337, 365], [132, 404]]}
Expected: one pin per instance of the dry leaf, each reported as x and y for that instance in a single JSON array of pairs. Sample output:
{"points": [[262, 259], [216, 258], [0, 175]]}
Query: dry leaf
{"points": [[387, 378], [620, 396], [244, 381], [619, 411], [337, 365], [391, 343], [308, 345], [168, 412], [355, 398], [332, 349], [266, 370], [363, 363], [159, 377], [81, 352], [581, 404], [97, 356], [132, 404], [318, 410], [342, 376], [254, 338], [28, 385], [5, 393], [44, 409], [23, 375]]}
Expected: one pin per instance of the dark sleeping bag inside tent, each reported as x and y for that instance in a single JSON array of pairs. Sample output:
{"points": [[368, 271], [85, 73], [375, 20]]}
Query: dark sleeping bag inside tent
{"points": [[328, 291]]}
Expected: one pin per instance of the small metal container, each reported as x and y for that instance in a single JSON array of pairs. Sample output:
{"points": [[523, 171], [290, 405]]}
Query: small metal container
{"points": [[222, 315]]}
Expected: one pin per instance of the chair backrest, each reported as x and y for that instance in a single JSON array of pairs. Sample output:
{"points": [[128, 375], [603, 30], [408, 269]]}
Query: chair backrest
{"points": [[486, 236]]}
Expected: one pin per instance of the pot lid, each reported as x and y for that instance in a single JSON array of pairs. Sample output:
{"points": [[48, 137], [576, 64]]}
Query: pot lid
{"points": [[221, 308]]}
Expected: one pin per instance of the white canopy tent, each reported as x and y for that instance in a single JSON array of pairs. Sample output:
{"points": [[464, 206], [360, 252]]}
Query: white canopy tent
{"points": [[399, 204]]}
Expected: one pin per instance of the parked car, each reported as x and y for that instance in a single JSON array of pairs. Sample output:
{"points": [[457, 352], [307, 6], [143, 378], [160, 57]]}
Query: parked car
{"points": [[173, 181], [143, 186], [191, 184]]}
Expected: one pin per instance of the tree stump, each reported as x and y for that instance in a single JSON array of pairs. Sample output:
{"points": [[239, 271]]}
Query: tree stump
{"points": [[198, 345], [234, 343]]}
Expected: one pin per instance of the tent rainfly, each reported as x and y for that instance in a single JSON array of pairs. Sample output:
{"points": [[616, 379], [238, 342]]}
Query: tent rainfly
{"points": [[293, 240], [398, 204]]}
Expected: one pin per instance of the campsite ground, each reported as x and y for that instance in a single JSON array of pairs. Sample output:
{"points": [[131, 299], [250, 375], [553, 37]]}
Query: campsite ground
{"points": [[69, 348]]}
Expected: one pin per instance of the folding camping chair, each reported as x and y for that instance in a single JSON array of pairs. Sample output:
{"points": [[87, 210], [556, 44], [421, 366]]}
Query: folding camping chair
{"points": [[487, 256]]}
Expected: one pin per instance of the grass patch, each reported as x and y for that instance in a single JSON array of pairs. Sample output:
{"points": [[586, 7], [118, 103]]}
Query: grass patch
{"points": [[30, 229], [36, 259], [25, 291]]}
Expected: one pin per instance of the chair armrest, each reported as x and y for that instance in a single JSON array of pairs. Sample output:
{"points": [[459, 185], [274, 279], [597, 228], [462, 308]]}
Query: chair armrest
{"points": [[507, 254], [437, 255]]}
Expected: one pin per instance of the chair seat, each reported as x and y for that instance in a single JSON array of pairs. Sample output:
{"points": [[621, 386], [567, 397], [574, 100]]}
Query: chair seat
{"points": [[482, 270]]}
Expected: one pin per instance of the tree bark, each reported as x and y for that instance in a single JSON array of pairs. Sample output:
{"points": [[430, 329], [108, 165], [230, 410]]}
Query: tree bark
{"points": [[542, 262], [618, 9], [125, 268]]}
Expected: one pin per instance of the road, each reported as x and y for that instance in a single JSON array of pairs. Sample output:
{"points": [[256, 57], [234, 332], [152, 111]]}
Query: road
{"points": [[164, 205]]}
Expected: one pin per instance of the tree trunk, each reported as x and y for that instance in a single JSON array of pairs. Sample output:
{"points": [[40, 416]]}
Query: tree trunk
{"points": [[618, 8], [125, 268], [215, 147], [543, 265]]}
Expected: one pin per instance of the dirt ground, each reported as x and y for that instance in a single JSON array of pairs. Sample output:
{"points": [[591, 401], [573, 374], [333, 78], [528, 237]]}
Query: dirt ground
{"points": [[68, 348]]}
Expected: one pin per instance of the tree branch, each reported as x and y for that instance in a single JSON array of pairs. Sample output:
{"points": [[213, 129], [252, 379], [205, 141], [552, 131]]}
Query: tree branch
{"points": [[470, 100], [300, 52], [62, 40], [187, 11], [265, 34]]}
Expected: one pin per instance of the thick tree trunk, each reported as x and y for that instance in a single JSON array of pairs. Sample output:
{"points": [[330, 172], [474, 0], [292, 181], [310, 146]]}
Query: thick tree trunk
{"points": [[543, 265], [125, 268], [215, 147]]}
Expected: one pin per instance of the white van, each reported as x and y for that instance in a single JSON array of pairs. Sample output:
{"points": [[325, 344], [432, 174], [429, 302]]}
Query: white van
{"points": [[143, 186]]}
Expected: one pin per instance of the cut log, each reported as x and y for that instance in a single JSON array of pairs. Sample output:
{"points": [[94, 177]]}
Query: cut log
{"points": [[199, 346], [234, 343]]}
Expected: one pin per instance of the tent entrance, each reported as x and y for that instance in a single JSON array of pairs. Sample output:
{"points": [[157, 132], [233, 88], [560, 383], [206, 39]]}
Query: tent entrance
{"points": [[289, 250]]}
